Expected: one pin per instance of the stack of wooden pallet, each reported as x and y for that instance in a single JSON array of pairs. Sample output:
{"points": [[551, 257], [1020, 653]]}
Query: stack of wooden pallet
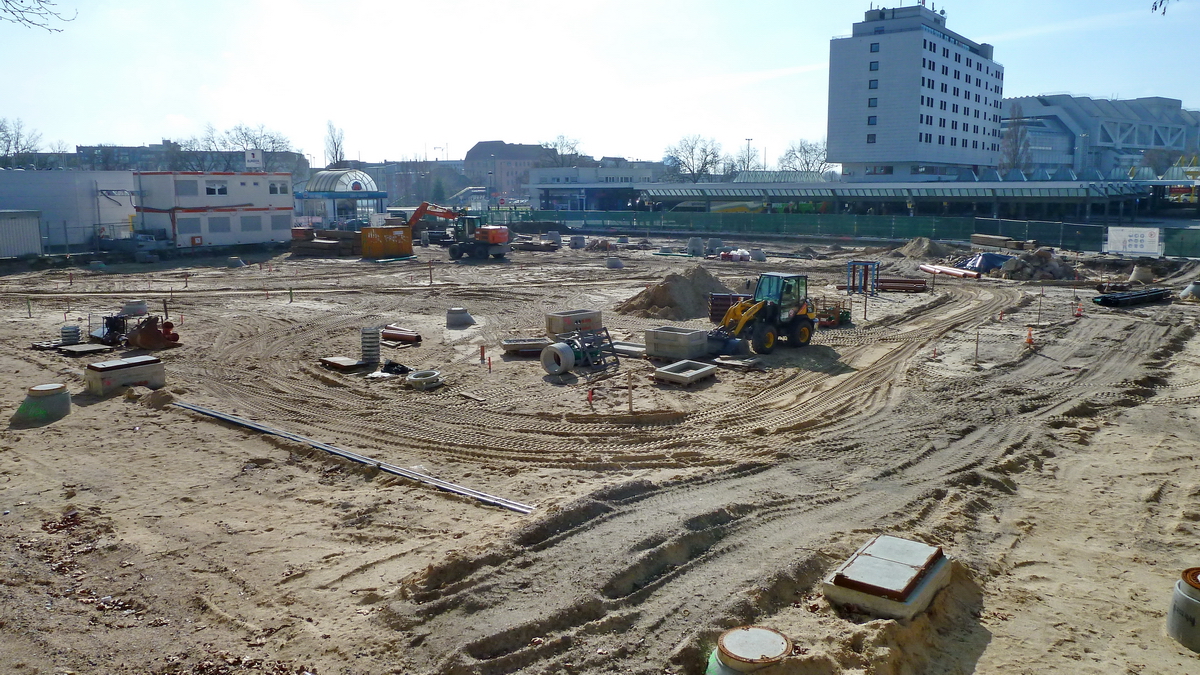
{"points": [[329, 243]]}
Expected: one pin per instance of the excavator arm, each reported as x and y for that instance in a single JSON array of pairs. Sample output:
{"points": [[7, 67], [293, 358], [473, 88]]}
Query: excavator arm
{"points": [[432, 210]]}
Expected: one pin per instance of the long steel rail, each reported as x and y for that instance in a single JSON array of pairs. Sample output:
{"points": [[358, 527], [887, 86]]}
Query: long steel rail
{"points": [[363, 459]]}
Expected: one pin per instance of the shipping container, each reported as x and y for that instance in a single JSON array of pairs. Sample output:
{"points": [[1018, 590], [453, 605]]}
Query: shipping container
{"points": [[20, 233]]}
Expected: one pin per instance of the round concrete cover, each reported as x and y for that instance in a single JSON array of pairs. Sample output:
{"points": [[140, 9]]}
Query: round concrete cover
{"points": [[752, 646], [46, 389]]}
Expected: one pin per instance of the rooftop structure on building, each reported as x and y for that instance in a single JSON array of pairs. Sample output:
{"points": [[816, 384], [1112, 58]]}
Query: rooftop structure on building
{"points": [[1109, 137], [911, 100]]}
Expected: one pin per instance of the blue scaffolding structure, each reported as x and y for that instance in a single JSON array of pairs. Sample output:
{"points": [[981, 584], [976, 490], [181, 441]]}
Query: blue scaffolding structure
{"points": [[862, 276]]}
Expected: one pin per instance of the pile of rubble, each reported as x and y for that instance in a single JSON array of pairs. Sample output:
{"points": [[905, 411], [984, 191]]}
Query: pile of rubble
{"points": [[677, 297], [1041, 264]]}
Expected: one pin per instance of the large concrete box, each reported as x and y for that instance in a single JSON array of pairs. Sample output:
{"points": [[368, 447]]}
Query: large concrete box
{"points": [[676, 343], [141, 371], [573, 319]]}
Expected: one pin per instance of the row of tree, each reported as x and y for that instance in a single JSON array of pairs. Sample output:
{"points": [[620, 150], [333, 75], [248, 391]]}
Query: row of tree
{"points": [[695, 158]]}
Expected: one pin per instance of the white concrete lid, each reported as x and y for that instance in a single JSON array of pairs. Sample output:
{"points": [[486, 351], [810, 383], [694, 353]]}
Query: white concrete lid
{"points": [[47, 389], [752, 647]]}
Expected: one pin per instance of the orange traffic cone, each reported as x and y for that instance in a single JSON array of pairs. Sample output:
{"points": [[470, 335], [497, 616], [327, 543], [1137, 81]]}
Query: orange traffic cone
{"points": [[1079, 309], [1029, 337]]}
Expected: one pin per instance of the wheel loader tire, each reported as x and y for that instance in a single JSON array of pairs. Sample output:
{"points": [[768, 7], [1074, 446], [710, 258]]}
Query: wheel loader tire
{"points": [[801, 333], [558, 358], [480, 252], [765, 337], [455, 252]]}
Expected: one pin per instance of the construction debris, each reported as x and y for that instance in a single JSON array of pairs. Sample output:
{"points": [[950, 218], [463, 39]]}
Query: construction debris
{"points": [[1038, 265], [148, 335]]}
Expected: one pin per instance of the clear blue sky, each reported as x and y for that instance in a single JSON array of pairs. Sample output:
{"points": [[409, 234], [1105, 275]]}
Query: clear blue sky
{"points": [[409, 78]]}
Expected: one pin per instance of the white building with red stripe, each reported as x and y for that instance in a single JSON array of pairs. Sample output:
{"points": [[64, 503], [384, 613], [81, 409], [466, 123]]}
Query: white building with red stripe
{"points": [[203, 209]]}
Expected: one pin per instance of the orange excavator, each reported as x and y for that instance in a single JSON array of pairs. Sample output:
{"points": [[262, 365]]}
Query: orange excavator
{"points": [[468, 237]]}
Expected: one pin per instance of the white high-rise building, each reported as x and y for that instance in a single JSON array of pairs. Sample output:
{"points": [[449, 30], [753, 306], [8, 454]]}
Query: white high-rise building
{"points": [[910, 100]]}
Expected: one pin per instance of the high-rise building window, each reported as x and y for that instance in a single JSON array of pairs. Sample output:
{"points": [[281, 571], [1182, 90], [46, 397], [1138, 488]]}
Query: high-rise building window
{"points": [[874, 65], [874, 46], [872, 103], [870, 138], [872, 120], [872, 84]]}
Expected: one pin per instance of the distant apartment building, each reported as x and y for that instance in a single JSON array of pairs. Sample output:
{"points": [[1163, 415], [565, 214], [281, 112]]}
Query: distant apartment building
{"points": [[910, 100], [503, 167], [196, 209], [1098, 136]]}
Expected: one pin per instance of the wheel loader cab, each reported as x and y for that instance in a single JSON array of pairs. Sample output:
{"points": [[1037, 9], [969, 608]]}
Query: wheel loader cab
{"points": [[784, 290]]}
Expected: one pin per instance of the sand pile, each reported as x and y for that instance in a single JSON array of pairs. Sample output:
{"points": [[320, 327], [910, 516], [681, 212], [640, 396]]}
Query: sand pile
{"points": [[675, 298], [922, 247], [1036, 265]]}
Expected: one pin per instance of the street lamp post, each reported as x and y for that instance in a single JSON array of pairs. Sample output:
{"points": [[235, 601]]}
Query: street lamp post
{"points": [[748, 153]]}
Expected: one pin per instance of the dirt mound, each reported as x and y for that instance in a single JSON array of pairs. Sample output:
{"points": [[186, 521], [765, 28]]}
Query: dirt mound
{"points": [[675, 298], [1038, 265], [922, 247]]}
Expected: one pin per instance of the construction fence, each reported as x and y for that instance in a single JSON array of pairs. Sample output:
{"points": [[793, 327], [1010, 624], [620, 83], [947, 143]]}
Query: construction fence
{"points": [[1178, 242]]}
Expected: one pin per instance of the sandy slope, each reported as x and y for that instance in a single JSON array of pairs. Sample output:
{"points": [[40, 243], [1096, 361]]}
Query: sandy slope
{"points": [[143, 538]]}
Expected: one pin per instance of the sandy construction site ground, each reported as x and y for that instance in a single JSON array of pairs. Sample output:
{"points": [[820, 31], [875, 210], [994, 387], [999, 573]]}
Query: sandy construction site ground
{"points": [[138, 537]]}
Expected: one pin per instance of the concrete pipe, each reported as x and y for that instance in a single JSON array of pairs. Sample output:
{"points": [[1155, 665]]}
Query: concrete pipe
{"points": [[558, 358], [424, 379]]}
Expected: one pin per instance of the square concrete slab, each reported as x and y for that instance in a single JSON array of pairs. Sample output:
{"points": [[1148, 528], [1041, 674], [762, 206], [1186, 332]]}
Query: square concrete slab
{"points": [[889, 577]]}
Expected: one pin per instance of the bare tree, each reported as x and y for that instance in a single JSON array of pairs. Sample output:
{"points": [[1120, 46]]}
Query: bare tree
{"points": [[694, 158], [805, 155], [32, 14], [1014, 145], [561, 151], [1159, 6], [16, 141], [272, 144], [221, 150], [335, 144], [747, 160]]}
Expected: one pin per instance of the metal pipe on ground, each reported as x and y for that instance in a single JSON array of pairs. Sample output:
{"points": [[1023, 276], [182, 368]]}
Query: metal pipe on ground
{"points": [[445, 486]]}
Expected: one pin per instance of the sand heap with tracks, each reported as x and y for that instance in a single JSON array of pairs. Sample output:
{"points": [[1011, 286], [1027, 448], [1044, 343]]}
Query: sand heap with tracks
{"points": [[675, 298]]}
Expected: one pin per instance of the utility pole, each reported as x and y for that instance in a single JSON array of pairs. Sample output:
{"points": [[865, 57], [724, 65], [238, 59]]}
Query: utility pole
{"points": [[747, 167]]}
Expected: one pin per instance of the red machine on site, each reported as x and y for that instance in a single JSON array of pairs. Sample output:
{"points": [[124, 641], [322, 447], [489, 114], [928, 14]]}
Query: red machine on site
{"points": [[468, 236]]}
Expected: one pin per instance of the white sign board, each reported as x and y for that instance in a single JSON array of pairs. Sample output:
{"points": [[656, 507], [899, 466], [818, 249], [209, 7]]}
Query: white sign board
{"points": [[254, 159], [1135, 241]]}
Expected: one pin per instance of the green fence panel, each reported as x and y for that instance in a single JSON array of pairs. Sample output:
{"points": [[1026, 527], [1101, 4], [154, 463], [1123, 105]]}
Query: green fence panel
{"points": [[1181, 243]]}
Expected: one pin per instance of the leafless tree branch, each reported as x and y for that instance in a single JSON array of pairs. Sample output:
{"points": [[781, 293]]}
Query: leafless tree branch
{"points": [[33, 14]]}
